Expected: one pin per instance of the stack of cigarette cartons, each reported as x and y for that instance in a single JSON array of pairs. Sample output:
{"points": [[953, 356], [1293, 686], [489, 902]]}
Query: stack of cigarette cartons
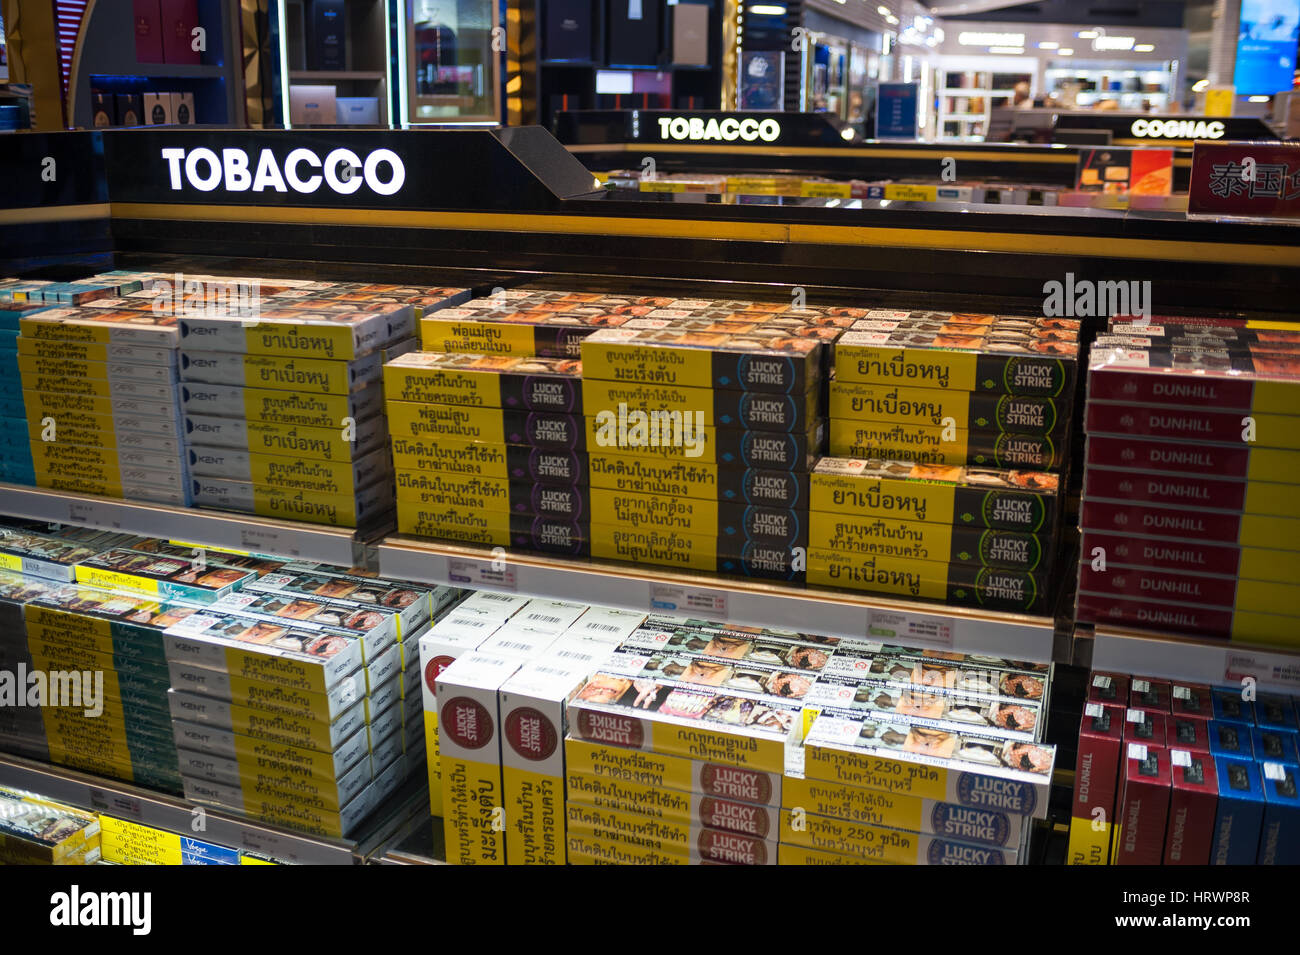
{"points": [[101, 657], [918, 758], [22, 727], [677, 746], [1189, 512], [700, 438], [283, 716], [973, 536], [489, 450], [101, 401], [17, 300], [1178, 773], [53, 551], [501, 719], [38, 831], [956, 389]]}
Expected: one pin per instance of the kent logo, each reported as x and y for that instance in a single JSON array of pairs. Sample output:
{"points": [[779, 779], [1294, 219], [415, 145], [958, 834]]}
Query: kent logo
{"points": [[75, 908]]}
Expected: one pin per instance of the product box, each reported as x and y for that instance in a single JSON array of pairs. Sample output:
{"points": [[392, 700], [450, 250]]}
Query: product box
{"points": [[982, 414], [880, 536], [356, 110], [284, 780], [776, 365], [1149, 695], [436, 490], [412, 423], [892, 846], [256, 437], [1190, 700], [936, 444], [1225, 462], [321, 376], [697, 722], [632, 473], [183, 109], [311, 732], [971, 363], [194, 741], [968, 769], [51, 555], [1230, 739], [148, 31], [726, 521], [963, 584], [345, 337], [1143, 376], [1273, 711], [35, 831], [475, 814], [1188, 733], [756, 645], [698, 407], [531, 384], [729, 447], [1278, 843], [761, 559], [502, 462], [363, 508], [154, 575], [680, 774], [367, 600], [1187, 524], [495, 529], [1195, 557], [1004, 500], [1185, 618], [1143, 805], [547, 331], [681, 808], [201, 681], [158, 109], [286, 809], [312, 105], [275, 406], [1228, 705], [312, 475], [179, 18], [1193, 806], [669, 838], [1240, 813], [1196, 425]]}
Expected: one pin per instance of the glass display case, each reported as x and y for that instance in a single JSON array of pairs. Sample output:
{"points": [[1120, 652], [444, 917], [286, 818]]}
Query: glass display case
{"points": [[450, 62]]}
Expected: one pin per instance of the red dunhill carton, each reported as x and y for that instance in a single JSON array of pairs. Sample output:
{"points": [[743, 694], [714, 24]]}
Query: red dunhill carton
{"points": [[1110, 688], [1193, 802], [1144, 805], [1187, 732], [1150, 695], [1096, 776]]}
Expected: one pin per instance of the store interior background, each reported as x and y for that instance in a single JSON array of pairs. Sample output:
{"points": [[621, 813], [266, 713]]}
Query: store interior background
{"points": [[263, 63]]}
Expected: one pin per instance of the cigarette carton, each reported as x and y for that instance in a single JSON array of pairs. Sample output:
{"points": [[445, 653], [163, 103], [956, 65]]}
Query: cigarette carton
{"points": [[1143, 806], [937, 444], [410, 422], [1132, 375], [779, 365], [368, 601], [729, 447], [1231, 462], [970, 768], [588, 849], [275, 406], [475, 815], [437, 489], [1273, 711], [310, 732], [694, 809], [337, 337], [254, 753], [532, 384], [304, 814], [214, 684], [617, 407], [1005, 500], [1193, 805], [1250, 563], [667, 478], [670, 838], [338, 510], [157, 576], [934, 407], [502, 462], [1187, 733], [291, 473], [255, 437], [497, 529], [321, 376], [101, 326], [920, 540], [606, 625], [1240, 814], [1186, 524], [681, 774], [1276, 746], [878, 844], [1279, 840]]}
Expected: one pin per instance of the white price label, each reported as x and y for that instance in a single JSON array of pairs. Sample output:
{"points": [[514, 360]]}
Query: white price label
{"points": [[1180, 757], [1137, 751], [1137, 716], [268, 540], [1182, 693], [1269, 670], [909, 628], [116, 804], [1094, 710], [1275, 772], [1101, 681], [682, 599], [1141, 686], [472, 572]]}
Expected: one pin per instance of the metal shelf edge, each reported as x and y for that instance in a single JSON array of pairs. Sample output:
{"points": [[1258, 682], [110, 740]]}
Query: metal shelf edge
{"points": [[1196, 661], [214, 528], [747, 602]]}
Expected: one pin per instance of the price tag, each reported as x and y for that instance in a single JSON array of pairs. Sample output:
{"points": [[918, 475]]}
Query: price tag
{"points": [[1275, 772], [1137, 751], [1101, 681], [266, 844], [1094, 710], [1181, 757], [1136, 716], [472, 572], [1182, 693], [116, 804], [679, 598], [1141, 686], [908, 628], [1277, 671], [267, 540], [89, 512]]}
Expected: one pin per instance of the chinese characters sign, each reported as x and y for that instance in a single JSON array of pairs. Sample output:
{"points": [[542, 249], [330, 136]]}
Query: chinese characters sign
{"points": [[1246, 179]]}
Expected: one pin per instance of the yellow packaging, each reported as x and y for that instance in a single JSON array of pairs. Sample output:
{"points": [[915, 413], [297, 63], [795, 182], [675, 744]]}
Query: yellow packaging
{"points": [[1089, 842], [682, 774], [787, 854], [419, 420], [908, 193], [666, 837], [131, 844], [882, 844], [825, 190]]}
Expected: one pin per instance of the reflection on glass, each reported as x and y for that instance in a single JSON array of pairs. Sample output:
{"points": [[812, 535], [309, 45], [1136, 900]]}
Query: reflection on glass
{"points": [[453, 72]]}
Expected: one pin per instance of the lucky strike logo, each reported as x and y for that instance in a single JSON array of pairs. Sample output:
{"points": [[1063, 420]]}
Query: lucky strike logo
{"points": [[467, 722], [610, 728], [531, 734], [729, 782], [434, 670]]}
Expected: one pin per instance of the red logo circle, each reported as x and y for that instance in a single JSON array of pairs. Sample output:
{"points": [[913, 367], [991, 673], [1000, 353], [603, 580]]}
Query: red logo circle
{"points": [[611, 728], [434, 670], [732, 782], [466, 721], [531, 734]]}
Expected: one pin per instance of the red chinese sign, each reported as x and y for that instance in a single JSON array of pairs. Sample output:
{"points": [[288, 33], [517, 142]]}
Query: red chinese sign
{"points": [[1246, 179]]}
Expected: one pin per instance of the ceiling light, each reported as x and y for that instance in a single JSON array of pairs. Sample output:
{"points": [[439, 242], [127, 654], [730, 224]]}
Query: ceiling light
{"points": [[884, 11], [1259, 99], [892, 20], [1087, 34], [1066, 51], [766, 10], [1114, 43], [1200, 85], [1048, 45], [1008, 50], [991, 39], [939, 34], [1144, 48]]}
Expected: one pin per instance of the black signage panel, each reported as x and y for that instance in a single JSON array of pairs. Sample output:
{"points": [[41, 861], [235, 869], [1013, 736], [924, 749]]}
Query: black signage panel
{"points": [[51, 169], [1158, 129], [363, 169], [704, 128]]}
